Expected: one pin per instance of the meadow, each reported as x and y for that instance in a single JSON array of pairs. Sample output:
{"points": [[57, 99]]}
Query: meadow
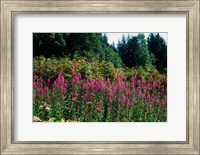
{"points": [[88, 90]]}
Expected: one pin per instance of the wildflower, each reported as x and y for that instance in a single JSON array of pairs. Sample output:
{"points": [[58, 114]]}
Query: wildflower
{"points": [[84, 98], [149, 106], [141, 76], [72, 71], [35, 77], [55, 84], [74, 99], [40, 107], [118, 106], [46, 89], [44, 104], [41, 71], [75, 65], [139, 83], [66, 84], [151, 78], [133, 100], [36, 119], [85, 72], [110, 99], [127, 102], [92, 95], [101, 102], [62, 79], [48, 80], [47, 109], [163, 89]]}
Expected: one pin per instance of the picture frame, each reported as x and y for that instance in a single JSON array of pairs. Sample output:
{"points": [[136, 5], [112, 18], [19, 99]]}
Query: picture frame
{"points": [[10, 8]]}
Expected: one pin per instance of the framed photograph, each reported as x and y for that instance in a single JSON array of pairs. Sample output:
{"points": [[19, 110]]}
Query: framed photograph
{"points": [[99, 77]]}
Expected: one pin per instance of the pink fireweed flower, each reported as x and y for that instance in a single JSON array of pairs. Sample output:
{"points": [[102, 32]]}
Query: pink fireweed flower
{"points": [[79, 76], [110, 99], [40, 84], [163, 89], [148, 97], [66, 84], [147, 85], [41, 71], [128, 92], [39, 90], [52, 93], [46, 90], [62, 80], [64, 90], [118, 106], [127, 102], [72, 71], [92, 95], [98, 107], [101, 86], [149, 106], [122, 86], [74, 99], [139, 83], [96, 83], [87, 85], [100, 102], [132, 82], [76, 94], [48, 80], [154, 84], [133, 100], [85, 72], [141, 76], [157, 101], [151, 78], [55, 84], [124, 78], [122, 98], [35, 84], [35, 77], [163, 102], [83, 98], [153, 100], [120, 76], [108, 80]]}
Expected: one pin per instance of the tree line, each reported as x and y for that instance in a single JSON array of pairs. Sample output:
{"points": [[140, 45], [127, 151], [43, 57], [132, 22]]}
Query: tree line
{"points": [[131, 51]]}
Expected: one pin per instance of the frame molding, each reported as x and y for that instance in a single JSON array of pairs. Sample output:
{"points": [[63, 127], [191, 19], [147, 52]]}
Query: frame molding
{"points": [[10, 7]]}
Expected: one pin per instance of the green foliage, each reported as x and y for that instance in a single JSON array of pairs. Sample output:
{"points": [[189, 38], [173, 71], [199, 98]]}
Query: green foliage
{"points": [[49, 44], [75, 45], [89, 68]]}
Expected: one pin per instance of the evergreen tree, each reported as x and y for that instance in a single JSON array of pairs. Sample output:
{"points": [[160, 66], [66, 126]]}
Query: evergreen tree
{"points": [[121, 47], [49, 44], [158, 46], [134, 51]]}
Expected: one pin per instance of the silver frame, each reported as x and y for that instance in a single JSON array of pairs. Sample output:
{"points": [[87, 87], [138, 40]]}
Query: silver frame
{"points": [[11, 7]]}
